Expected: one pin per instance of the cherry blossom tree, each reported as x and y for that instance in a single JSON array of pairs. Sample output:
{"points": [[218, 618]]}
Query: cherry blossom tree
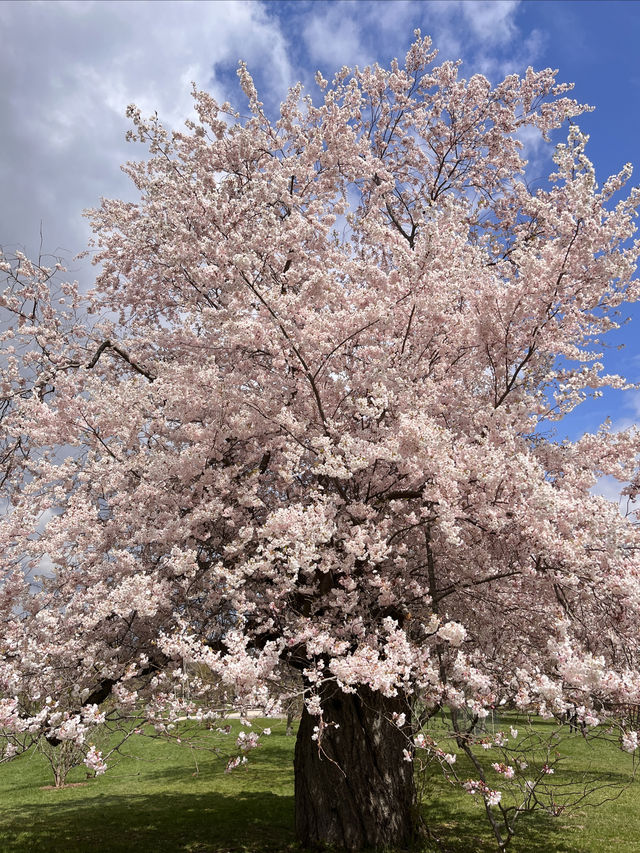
{"points": [[310, 425]]}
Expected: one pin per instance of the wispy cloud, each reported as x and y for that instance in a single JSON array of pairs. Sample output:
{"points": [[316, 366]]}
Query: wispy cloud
{"points": [[628, 412], [485, 33], [491, 21], [332, 37]]}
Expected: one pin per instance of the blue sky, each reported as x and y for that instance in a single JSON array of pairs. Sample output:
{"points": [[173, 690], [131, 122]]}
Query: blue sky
{"points": [[68, 70]]}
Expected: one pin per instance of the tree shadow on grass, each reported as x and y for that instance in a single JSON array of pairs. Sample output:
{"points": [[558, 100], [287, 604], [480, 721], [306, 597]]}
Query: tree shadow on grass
{"points": [[253, 814], [259, 822], [463, 832], [243, 822]]}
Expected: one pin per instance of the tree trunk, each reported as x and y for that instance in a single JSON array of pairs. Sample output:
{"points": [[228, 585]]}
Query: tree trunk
{"points": [[290, 718], [353, 788]]}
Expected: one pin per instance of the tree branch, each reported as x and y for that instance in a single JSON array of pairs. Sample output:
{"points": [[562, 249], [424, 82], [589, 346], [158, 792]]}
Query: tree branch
{"points": [[123, 355]]}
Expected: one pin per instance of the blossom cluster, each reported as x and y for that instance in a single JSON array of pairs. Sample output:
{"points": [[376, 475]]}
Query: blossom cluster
{"points": [[475, 786]]}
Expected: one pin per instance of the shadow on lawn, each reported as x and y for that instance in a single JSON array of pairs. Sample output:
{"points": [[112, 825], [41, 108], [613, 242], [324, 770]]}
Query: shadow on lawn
{"points": [[246, 822], [236, 821], [258, 822], [470, 833]]}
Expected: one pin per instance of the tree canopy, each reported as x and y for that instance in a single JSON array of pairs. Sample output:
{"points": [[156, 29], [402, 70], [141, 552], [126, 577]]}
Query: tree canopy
{"points": [[304, 420]]}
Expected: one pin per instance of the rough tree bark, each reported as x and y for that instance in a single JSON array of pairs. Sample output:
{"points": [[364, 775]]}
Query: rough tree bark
{"points": [[352, 787]]}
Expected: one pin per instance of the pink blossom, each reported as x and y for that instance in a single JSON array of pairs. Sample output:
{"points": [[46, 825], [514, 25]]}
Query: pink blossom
{"points": [[493, 797], [94, 761], [504, 769], [453, 632]]}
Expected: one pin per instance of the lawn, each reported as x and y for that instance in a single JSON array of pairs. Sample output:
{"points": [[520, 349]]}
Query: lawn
{"points": [[154, 800]]}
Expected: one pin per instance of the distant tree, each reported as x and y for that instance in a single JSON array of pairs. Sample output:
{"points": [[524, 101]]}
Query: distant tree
{"points": [[310, 426]]}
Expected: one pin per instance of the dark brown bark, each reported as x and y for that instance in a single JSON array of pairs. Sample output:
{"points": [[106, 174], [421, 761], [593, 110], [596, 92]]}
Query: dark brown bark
{"points": [[352, 787]]}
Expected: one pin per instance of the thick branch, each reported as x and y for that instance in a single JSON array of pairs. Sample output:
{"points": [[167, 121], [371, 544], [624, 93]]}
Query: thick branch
{"points": [[123, 355]]}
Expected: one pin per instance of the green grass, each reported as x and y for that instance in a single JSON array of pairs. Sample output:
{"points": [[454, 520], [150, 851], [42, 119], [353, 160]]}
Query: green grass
{"points": [[154, 802], [612, 827]]}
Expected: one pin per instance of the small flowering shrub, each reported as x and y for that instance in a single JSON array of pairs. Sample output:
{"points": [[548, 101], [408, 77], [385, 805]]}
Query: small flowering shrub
{"points": [[516, 770]]}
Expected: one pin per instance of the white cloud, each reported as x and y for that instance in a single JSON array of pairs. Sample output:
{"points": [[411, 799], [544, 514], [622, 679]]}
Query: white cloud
{"points": [[628, 412], [333, 37], [491, 21], [353, 32], [69, 69], [484, 33], [537, 154], [610, 488]]}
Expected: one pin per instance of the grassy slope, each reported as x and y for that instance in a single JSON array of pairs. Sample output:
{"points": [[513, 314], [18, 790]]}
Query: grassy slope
{"points": [[156, 803]]}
